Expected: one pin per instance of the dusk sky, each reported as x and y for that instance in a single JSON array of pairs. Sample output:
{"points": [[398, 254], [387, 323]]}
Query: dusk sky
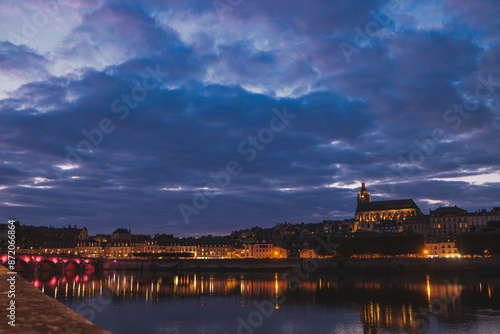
{"points": [[131, 113]]}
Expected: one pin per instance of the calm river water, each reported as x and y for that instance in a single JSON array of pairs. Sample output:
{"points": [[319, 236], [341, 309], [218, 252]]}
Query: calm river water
{"points": [[165, 302]]}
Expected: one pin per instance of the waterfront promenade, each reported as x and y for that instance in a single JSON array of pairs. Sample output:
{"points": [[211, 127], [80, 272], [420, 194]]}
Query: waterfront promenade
{"points": [[83, 265], [36, 312]]}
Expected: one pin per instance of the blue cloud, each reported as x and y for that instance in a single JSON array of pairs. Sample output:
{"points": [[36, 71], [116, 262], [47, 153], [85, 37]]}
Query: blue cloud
{"points": [[219, 78]]}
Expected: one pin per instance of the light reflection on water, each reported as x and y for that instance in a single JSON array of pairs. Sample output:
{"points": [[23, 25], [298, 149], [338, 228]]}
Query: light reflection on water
{"points": [[167, 302]]}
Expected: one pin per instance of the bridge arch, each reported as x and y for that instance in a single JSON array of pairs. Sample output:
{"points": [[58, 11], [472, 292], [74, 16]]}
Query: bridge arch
{"points": [[72, 266], [91, 265], [46, 265], [21, 265]]}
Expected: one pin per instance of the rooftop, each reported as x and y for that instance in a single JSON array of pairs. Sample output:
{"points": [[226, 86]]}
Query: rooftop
{"points": [[121, 230], [386, 205], [452, 210]]}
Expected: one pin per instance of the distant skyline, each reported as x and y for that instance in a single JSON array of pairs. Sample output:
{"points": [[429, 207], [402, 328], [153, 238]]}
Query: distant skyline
{"points": [[204, 117]]}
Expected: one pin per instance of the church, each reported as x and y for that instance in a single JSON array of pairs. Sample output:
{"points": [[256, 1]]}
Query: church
{"points": [[376, 211]]}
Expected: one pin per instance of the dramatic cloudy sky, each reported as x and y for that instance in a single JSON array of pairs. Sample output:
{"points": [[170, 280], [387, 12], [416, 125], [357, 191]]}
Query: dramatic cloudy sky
{"points": [[401, 95]]}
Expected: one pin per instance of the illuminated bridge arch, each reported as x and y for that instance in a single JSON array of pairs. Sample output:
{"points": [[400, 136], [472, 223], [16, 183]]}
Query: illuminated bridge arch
{"points": [[72, 265], [46, 265], [21, 264]]}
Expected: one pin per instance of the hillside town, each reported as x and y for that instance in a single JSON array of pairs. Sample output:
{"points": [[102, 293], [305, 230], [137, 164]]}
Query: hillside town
{"points": [[438, 229]]}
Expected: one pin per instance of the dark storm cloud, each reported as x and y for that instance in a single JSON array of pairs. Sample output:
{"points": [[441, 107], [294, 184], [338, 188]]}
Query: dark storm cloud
{"points": [[220, 76]]}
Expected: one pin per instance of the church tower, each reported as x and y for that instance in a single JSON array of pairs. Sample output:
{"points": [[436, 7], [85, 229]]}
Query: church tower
{"points": [[364, 195]]}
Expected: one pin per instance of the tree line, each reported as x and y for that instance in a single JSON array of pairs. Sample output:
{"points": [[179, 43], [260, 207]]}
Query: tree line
{"points": [[383, 245], [479, 243]]}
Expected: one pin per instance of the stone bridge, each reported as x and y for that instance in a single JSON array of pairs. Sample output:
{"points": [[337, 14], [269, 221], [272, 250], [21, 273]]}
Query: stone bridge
{"points": [[60, 263]]}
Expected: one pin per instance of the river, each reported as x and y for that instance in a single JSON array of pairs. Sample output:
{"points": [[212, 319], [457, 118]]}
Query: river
{"points": [[274, 302]]}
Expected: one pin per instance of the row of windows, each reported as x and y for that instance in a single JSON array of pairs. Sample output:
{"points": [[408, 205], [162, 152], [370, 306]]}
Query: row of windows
{"points": [[385, 214], [464, 219], [449, 252], [449, 225], [442, 246], [446, 232], [454, 219]]}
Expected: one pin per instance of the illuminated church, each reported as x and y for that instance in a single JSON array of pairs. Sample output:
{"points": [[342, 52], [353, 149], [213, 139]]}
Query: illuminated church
{"points": [[368, 211]]}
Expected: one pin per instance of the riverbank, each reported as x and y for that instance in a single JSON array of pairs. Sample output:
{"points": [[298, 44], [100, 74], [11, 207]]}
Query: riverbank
{"points": [[31, 311], [320, 265]]}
